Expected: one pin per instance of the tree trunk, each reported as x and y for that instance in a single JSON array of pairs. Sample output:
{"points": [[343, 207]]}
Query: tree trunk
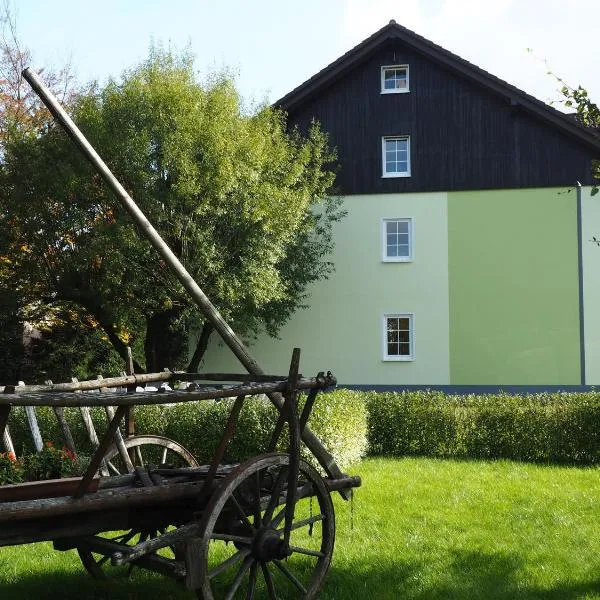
{"points": [[104, 320], [165, 341], [201, 346]]}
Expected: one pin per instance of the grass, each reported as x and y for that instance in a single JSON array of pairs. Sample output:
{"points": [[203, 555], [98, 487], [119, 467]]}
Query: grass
{"points": [[418, 529]]}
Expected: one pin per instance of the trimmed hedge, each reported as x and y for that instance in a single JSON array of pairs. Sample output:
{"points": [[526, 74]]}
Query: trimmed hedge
{"points": [[338, 418], [554, 428]]}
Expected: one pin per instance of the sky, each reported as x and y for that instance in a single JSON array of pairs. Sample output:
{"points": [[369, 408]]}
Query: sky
{"points": [[273, 46]]}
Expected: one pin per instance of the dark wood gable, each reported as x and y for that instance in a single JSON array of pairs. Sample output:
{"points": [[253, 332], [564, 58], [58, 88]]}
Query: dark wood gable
{"points": [[463, 133]]}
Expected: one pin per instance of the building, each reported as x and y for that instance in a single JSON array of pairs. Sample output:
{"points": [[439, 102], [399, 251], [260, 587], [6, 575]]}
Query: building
{"points": [[466, 257]]}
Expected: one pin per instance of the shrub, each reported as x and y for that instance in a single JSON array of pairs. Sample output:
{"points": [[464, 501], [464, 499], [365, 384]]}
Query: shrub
{"points": [[338, 419], [11, 470], [50, 463], [557, 428]]}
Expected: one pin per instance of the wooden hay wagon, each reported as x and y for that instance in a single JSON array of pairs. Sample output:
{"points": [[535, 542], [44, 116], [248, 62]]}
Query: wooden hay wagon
{"points": [[261, 528], [264, 527]]}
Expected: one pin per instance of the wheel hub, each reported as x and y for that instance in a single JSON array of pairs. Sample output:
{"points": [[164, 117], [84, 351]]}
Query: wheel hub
{"points": [[268, 545]]}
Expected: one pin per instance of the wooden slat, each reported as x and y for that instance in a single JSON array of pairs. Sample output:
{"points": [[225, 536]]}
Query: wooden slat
{"points": [[59, 411], [91, 384], [227, 435], [119, 443], [4, 414], [34, 428], [117, 399], [129, 497], [50, 488], [100, 452]]}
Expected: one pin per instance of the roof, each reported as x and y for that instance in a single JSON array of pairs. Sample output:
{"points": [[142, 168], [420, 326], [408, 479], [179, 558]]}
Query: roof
{"points": [[392, 31]]}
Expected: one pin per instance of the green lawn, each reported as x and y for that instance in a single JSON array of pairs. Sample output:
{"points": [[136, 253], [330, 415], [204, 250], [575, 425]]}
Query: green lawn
{"points": [[421, 529]]}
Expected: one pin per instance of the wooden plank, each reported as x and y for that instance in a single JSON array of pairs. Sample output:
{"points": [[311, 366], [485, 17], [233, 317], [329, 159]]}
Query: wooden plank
{"points": [[34, 428], [50, 488], [129, 497], [99, 454]]}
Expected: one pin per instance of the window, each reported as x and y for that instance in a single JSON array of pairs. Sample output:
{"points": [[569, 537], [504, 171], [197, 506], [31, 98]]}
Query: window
{"points": [[397, 240], [394, 79], [396, 156], [398, 337]]}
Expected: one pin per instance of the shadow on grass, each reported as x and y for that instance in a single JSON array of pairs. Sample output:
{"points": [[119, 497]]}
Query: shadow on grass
{"points": [[466, 576], [74, 586]]}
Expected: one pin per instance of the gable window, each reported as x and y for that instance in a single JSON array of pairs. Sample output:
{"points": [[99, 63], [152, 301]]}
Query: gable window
{"points": [[396, 156], [397, 240], [394, 79], [398, 337]]}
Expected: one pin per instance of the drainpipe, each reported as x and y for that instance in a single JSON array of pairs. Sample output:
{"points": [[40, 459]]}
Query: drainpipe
{"points": [[580, 274]]}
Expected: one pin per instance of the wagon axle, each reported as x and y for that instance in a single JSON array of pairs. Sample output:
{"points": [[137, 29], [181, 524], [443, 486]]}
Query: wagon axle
{"points": [[268, 545]]}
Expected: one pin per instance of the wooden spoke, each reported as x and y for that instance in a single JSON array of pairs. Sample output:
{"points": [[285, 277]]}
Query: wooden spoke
{"points": [[306, 551], [225, 537], [269, 581], [240, 511], [238, 577], [252, 581], [257, 507], [227, 564], [302, 523], [275, 494], [286, 571]]}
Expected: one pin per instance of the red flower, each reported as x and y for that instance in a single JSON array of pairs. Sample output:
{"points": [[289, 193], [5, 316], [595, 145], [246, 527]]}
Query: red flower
{"points": [[12, 457], [49, 444]]}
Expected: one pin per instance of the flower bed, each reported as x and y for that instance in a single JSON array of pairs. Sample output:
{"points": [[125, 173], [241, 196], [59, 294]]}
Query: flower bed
{"points": [[50, 463]]}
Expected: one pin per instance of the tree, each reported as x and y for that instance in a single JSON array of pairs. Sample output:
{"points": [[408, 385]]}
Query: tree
{"points": [[587, 115], [244, 204]]}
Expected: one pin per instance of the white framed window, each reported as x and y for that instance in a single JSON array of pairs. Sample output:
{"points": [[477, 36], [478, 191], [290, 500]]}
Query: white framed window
{"points": [[394, 79], [398, 337], [395, 156], [397, 240]]}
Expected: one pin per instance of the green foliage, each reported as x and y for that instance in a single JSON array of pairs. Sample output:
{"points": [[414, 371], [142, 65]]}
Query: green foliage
{"points": [[11, 469], [50, 463], [556, 428], [587, 114], [338, 418], [242, 202]]}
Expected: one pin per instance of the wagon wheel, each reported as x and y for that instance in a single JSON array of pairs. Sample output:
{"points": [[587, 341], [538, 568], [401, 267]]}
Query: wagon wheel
{"points": [[149, 449], [242, 551]]}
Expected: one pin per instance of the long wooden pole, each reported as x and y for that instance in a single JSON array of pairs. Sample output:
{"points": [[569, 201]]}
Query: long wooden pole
{"points": [[210, 312]]}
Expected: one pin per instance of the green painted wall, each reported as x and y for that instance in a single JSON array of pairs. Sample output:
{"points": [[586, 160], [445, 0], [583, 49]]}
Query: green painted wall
{"points": [[513, 287], [341, 330]]}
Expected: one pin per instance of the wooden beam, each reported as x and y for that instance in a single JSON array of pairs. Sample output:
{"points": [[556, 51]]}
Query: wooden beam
{"points": [[100, 452]]}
